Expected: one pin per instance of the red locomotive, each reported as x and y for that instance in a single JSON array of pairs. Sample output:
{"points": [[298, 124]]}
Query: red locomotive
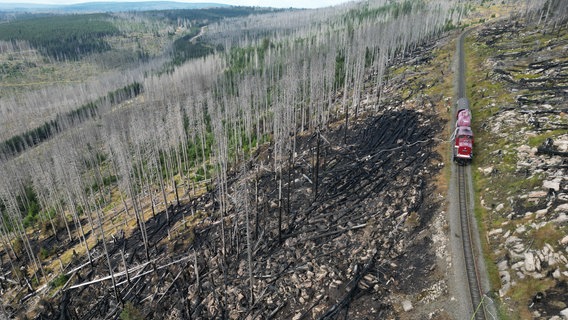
{"points": [[463, 135]]}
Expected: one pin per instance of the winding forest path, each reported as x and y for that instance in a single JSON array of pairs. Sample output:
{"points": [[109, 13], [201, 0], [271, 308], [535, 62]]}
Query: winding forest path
{"points": [[201, 32]]}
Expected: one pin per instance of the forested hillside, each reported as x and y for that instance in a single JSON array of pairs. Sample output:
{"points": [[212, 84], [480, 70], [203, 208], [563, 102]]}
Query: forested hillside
{"points": [[55, 66], [217, 164], [62, 37]]}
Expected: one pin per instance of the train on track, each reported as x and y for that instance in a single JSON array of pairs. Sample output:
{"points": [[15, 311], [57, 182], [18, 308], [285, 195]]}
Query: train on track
{"points": [[463, 135]]}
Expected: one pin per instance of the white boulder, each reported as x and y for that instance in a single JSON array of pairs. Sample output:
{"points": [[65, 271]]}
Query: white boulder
{"points": [[555, 185], [407, 305], [529, 262]]}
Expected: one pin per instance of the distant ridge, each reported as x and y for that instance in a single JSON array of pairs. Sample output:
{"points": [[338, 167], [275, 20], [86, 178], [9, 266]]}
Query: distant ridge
{"points": [[104, 6]]}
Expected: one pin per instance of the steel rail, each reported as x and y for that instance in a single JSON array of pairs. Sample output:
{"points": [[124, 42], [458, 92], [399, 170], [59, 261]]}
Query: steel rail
{"points": [[472, 270], [475, 290]]}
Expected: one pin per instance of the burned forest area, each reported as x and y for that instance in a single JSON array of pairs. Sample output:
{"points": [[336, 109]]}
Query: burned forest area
{"points": [[341, 229], [291, 171], [344, 236], [285, 164]]}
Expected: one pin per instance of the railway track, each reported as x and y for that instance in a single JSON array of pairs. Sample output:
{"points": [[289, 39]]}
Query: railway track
{"points": [[468, 253], [463, 179]]}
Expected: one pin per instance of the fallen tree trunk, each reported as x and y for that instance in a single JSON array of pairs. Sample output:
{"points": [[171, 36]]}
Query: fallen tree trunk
{"points": [[550, 151]]}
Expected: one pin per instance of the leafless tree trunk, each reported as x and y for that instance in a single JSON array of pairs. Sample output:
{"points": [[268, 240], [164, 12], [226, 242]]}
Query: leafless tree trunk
{"points": [[110, 268]]}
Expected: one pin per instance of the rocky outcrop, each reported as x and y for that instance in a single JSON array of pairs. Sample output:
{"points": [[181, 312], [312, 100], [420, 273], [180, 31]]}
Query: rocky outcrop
{"points": [[529, 158]]}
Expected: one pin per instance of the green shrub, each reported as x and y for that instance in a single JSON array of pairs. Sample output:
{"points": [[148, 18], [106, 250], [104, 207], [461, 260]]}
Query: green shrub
{"points": [[30, 219], [44, 253], [130, 312], [59, 281], [18, 246], [45, 227]]}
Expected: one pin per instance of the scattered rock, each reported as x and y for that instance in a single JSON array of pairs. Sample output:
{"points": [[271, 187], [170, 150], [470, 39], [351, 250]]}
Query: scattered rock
{"points": [[537, 194], [537, 208], [562, 217], [407, 305], [557, 304], [541, 213], [529, 262], [505, 283], [524, 149], [554, 185], [499, 231]]}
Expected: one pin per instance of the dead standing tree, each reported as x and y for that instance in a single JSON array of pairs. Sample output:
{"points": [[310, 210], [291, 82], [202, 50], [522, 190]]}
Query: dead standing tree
{"points": [[9, 199], [129, 157], [117, 144]]}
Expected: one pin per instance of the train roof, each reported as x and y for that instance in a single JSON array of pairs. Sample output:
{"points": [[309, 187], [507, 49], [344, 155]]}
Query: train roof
{"points": [[463, 103], [464, 114], [464, 131]]}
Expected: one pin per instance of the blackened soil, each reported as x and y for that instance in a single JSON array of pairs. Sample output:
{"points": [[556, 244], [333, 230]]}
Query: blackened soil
{"points": [[329, 236]]}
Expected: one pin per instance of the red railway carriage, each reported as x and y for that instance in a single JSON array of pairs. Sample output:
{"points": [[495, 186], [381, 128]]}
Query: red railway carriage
{"points": [[463, 136], [463, 118], [463, 147]]}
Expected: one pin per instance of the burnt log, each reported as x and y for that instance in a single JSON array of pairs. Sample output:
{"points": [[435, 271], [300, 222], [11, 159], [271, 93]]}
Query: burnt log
{"points": [[550, 151]]}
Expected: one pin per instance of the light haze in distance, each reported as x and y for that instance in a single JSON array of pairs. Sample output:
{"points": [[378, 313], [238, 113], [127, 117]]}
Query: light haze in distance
{"points": [[252, 3]]}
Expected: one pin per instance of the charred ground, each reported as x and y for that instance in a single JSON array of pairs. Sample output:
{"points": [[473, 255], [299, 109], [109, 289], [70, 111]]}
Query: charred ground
{"points": [[343, 250]]}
